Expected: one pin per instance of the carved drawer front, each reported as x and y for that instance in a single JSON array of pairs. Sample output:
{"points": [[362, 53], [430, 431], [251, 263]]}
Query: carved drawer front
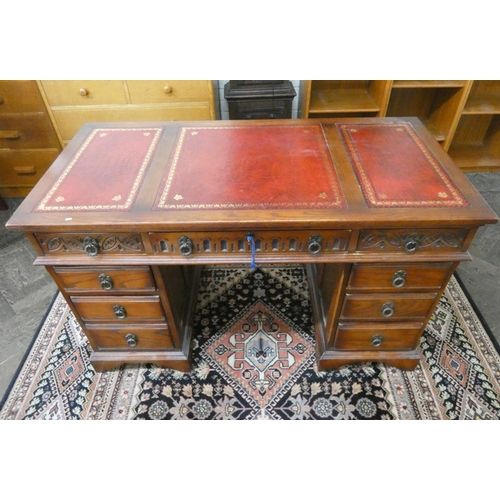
{"points": [[266, 242], [412, 241], [382, 306], [119, 308], [92, 244], [378, 336], [130, 337], [107, 279], [398, 277]]}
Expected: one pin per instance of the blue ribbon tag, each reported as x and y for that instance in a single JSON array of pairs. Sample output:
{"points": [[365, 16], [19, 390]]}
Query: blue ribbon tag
{"points": [[252, 243]]}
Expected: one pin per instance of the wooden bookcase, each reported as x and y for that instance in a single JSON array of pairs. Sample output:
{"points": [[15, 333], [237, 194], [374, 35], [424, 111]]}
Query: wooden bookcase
{"points": [[476, 144], [462, 115]]}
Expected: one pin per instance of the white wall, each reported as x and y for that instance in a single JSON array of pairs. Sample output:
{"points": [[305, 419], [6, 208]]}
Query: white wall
{"points": [[222, 106]]}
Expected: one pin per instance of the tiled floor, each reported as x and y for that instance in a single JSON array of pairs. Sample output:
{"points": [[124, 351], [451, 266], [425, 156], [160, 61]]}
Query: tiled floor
{"points": [[26, 291]]}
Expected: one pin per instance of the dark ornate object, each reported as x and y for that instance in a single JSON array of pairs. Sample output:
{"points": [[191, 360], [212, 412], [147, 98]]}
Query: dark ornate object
{"points": [[259, 99]]}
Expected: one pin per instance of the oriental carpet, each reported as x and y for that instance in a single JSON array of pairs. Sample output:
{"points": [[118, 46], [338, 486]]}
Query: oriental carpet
{"points": [[253, 358]]}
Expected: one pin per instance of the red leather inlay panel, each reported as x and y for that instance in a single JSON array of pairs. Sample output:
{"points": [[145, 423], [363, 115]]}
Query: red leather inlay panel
{"points": [[248, 167], [395, 169], [105, 173]]}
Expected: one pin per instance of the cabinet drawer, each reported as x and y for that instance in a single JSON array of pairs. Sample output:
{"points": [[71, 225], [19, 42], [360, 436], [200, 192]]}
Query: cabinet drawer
{"points": [[24, 168], [383, 306], [109, 279], [377, 336], [398, 277], [26, 132], [412, 241], [69, 121], [156, 91], [119, 308], [266, 242], [20, 96], [84, 92], [130, 337], [90, 244]]}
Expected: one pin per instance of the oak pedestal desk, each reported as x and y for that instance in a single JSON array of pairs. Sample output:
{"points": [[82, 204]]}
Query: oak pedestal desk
{"points": [[374, 208]]}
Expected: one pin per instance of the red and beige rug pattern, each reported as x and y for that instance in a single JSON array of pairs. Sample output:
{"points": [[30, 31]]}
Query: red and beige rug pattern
{"points": [[253, 358]]}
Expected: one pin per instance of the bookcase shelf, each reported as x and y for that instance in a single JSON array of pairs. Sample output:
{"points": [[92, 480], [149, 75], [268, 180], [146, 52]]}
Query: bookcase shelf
{"points": [[404, 84], [462, 115]]}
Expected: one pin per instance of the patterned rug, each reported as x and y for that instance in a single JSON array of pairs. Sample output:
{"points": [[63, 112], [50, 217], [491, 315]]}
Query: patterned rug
{"points": [[253, 358]]}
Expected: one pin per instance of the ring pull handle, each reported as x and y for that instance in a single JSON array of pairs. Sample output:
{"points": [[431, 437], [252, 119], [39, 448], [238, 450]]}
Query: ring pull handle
{"points": [[131, 339], [399, 279], [91, 246], [314, 244], [106, 281], [411, 243], [119, 311], [185, 245], [387, 309], [377, 340]]}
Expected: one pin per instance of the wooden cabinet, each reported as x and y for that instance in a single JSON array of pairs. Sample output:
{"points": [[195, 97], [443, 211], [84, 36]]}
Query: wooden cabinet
{"points": [[72, 103], [28, 142], [462, 115]]}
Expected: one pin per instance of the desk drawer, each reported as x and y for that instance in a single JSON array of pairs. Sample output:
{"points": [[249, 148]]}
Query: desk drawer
{"points": [[24, 168], [130, 337], [412, 241], [266, 242], [156, 91], [84, 92], [377, 336], [398, 277], [91, 244], [109, 279], [20, 96], [119, 308], [383, 307], [30, 131]]}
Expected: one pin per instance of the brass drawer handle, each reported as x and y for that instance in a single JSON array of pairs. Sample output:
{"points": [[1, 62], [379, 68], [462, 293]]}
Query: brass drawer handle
{"points": [[314, 244], [131, 339], [106, 281], [91, 246], [377, 340], [186, 245], [119, 311], [399, 279], [411, 243], [10, 134], [387, 309]]}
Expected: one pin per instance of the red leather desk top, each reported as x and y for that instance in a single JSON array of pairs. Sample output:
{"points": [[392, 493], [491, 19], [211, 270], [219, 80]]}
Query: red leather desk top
{"points": [[242, 168], [396, 169], [345, 173], [105, 173]]}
